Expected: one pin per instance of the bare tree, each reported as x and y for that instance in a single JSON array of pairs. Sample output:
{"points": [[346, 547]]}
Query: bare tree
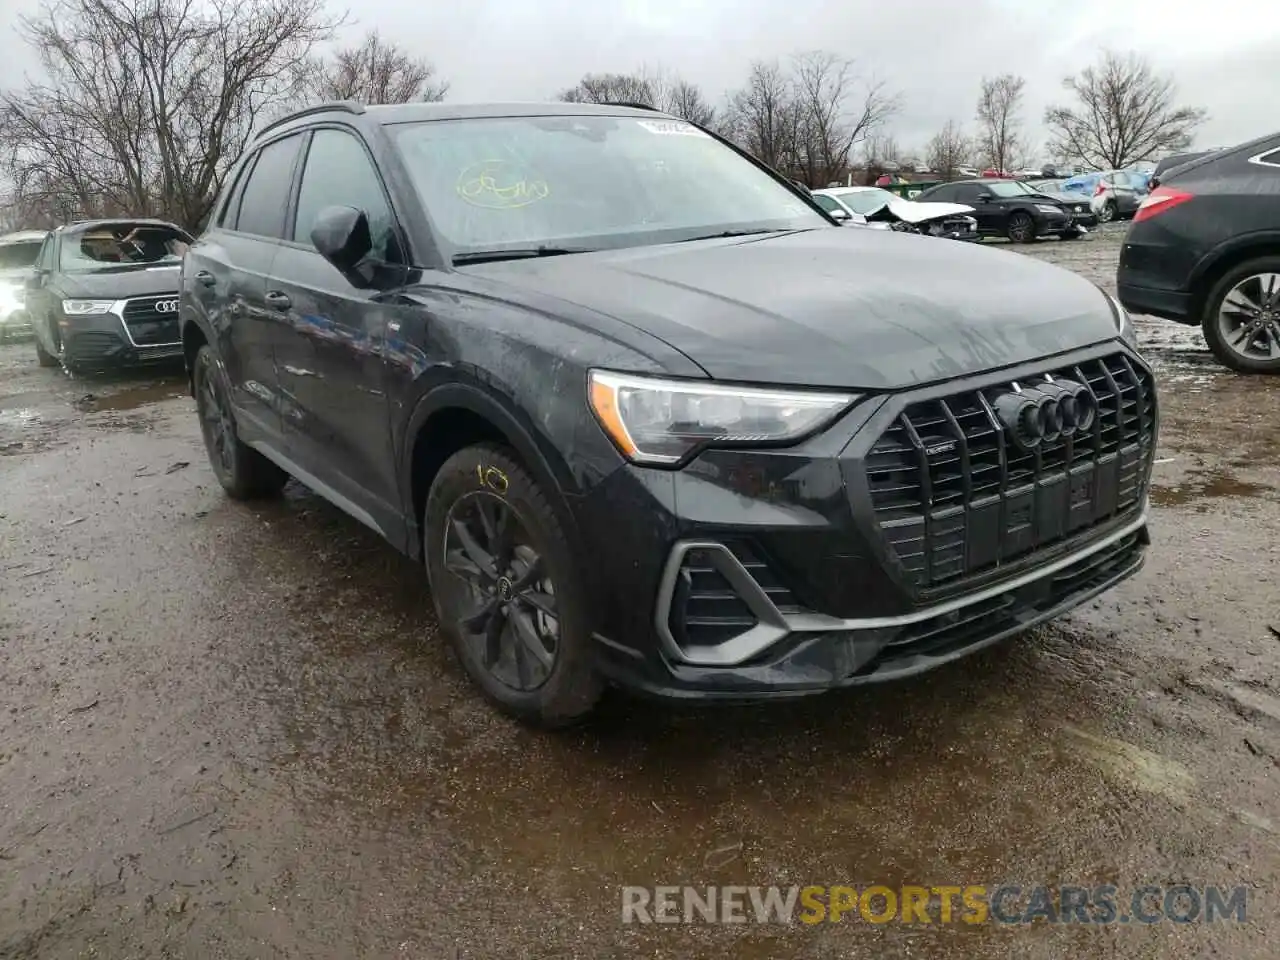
{"points": [[879, 147], [685, 99], [763, 115], [612, 88], [144, 107], [948, 151], [377, 72], [1125, 113], [999, 120], [833, 114]]}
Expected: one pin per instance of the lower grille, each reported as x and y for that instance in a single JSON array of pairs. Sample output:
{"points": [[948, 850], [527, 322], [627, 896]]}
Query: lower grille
{"points": [[706, 610], [954, 497], [147, 325]]}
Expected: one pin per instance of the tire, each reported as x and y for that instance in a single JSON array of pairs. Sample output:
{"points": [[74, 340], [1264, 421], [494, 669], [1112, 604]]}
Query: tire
{"points": [[1072, 235], [244, 473], [43, 356], [1212, 322], [1108, 213], [487, 480], [1021, 228]]}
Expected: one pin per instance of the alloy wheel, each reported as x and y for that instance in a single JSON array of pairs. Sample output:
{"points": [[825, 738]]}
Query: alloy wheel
{"points": [[1107, 213], [1249, 317], [505, 601], [1020, 228]]}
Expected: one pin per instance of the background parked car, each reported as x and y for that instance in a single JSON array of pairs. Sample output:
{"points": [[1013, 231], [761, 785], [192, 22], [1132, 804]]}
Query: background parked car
{"points": [[1008, 208], [104, 294], [18, 252], [1171, 161], [1083, 210], [1116, 192], [1204, 249]]}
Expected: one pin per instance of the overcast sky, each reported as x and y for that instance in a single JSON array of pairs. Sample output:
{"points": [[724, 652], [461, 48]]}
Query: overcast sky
{"points": [[1223, 55]]}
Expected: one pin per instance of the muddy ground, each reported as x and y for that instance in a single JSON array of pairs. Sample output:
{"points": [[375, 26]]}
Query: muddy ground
{"points": [[231, 731]]}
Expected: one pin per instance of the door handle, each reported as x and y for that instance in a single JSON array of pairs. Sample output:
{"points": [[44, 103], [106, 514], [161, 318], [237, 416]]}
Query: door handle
{"points": [[278, 301], [206, 278]]}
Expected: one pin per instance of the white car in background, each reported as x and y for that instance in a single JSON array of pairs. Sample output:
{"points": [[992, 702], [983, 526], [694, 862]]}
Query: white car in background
{"points": [[18, 253], [883, 210]]}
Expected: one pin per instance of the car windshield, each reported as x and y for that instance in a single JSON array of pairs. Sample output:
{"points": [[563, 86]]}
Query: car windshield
{"points": [[1052, 186], [588, 182], [110, 246], [15, 256], [866, 201], [1008, 188]]}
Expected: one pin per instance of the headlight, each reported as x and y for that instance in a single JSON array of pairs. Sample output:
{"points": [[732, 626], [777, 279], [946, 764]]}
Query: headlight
{"points": [[663, 421], [85, 308], [1123, 323], [1048, 208]]}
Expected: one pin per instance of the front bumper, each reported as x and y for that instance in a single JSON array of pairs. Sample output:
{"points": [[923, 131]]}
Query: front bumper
{"points": [[119, 337], [776, 573]]}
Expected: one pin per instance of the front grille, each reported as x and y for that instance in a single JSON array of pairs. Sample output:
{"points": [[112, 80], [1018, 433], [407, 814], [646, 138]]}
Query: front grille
{"points": [[954, 497], [147, 326], [706, 610]]}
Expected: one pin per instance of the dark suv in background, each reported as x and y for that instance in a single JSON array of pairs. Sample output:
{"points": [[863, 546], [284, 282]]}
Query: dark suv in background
{"points": [[104, 293], [1204, 250], [647, 414]]}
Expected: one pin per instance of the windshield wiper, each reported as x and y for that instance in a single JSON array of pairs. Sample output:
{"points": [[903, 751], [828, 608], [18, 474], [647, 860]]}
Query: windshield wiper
{"points": [[516, 253], [732, 233]]}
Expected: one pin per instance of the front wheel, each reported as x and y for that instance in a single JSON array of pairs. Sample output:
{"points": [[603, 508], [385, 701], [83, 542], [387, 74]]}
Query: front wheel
{"points": [[1241, 320], [43, 356], [507, 590], [1022, 229], [243, 472], [1108, 212]]}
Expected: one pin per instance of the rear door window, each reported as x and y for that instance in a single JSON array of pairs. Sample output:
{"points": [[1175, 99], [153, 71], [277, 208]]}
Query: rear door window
{"points": [[266, 194]]}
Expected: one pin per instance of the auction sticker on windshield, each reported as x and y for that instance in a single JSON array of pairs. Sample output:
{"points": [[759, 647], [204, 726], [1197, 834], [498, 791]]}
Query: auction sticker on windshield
{"points": [[671, 128]]}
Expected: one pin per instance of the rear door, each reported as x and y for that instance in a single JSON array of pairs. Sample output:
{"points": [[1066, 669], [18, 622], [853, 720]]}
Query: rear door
{"points": [[331, 355], [226, 273]]}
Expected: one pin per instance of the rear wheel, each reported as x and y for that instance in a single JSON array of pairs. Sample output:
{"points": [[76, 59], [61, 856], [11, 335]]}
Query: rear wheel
{"points": [[507, 590], [243, 472], [1022, 229], [1241, 320]]}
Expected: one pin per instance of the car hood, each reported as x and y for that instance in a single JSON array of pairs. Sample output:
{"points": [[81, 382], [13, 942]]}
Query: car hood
{"points": [[830, 306], [120, 283], [919, 211]]}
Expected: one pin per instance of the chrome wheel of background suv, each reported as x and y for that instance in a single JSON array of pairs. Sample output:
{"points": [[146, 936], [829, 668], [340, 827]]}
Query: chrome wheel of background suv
{"points": [[1242, 319]]}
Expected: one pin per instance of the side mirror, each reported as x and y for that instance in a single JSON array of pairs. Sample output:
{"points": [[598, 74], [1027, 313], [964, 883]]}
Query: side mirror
{"points": [[982, 198], [840, 215], [341, 235]]}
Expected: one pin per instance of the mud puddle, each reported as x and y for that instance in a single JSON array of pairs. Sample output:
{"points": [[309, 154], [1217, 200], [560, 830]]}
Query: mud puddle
{"points": [[1204, 485]]}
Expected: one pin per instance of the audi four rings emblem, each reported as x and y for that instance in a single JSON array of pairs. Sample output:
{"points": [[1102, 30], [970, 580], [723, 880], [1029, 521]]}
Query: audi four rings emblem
{"points": [[1044, 412], [166, 306]]}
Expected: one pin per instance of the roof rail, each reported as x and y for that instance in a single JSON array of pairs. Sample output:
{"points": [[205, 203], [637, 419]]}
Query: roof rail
{"points": [[628, 103], [333, 106]]}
